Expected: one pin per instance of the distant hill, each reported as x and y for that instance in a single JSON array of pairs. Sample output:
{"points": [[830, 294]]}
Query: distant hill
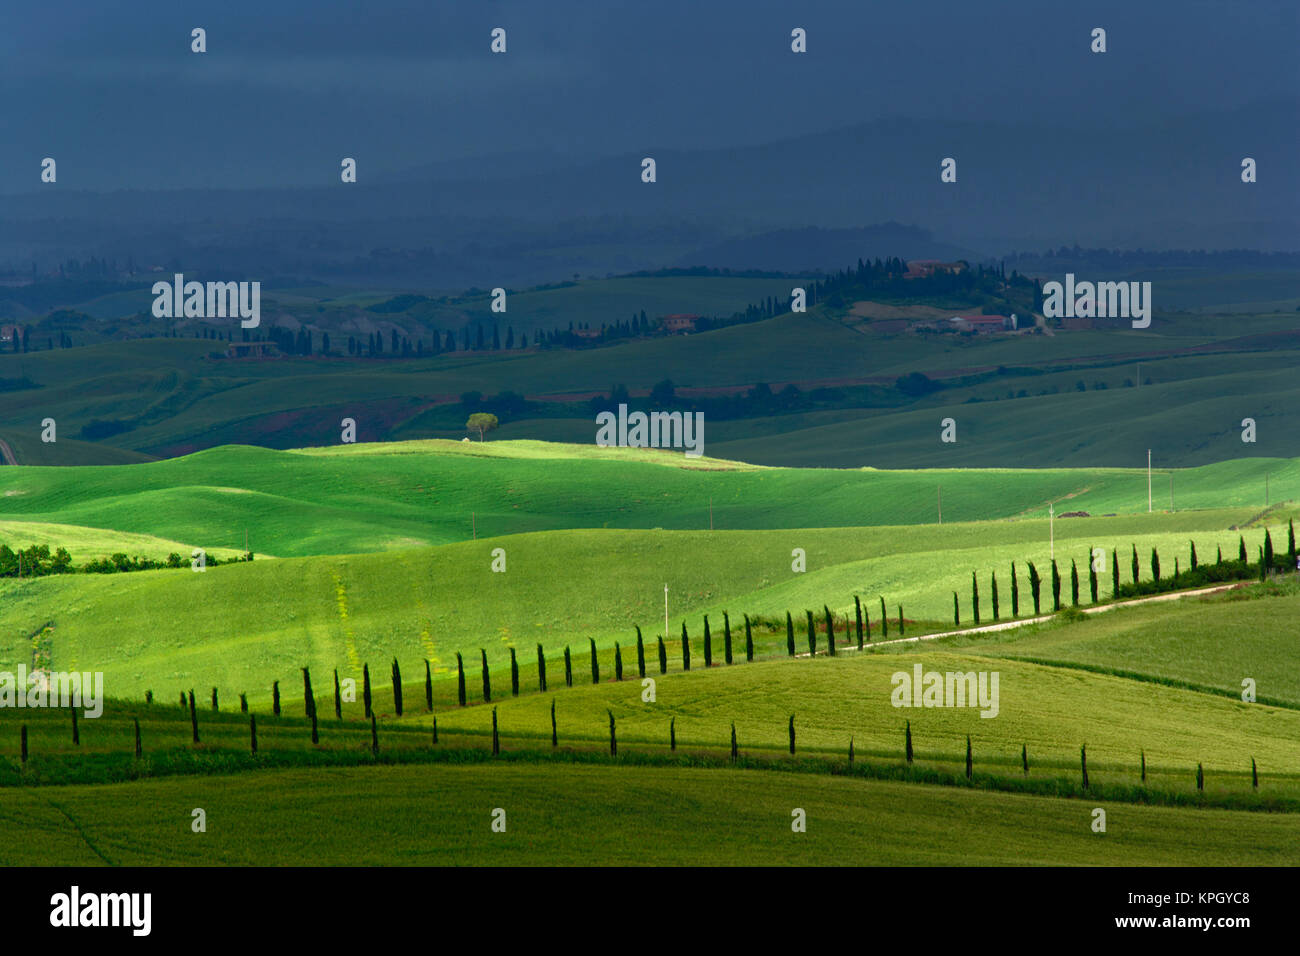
{"points": [[811, 248]]}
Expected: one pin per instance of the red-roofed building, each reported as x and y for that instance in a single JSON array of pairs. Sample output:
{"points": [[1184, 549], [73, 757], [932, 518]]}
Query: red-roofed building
{"points": [[679, 322]]}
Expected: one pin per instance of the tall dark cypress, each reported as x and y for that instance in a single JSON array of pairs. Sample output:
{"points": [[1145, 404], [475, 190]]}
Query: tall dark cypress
{"points": [[460, 679], [568, 667], [1268, 549], [1114, 574], [1074, 583], [686, 649], [1083, 764], [496, 740], [139, 750], [857, 611], [275, 698], [812, 635], [397, 688], [555, 739], [663, 656], [708, 644], [672, 733], [1137, 571], [514, 674], [789, 634], [1024, 758], [1155, 565], [1200, 778], [308, 698], [435, 728], [749, 641], [243, 703], [194, 718], [215, 707], [374, 735], [613, 740], [884, 619], [1092, 582], [1015, 593], [487, 679], [315, 729], [792, 734], [1035, 586], [1144, 766], [252, 732], [618, 662], [726, 637], [428, 686], [1254, 771], [830, 631], [969, 762], [734, 750], [908, 742], [1192, 545], [595, 664], [956, 611], [901, 631], [640, 654], [974, 598], [541, 669], [76, 733], [1056, 587], [1241, 549], [338, 696], [1290, 545], [993, 596], [365, 690]]}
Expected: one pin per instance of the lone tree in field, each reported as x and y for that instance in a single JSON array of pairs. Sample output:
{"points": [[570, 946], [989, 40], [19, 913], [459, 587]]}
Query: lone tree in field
{"points": [[460, 679], [1268, 549], [884, 619], [487, 680], [541, 669], [830, 631], [857, 611], [1137, 571], [1193, 549], [789, 634], [568, 667], [901, 632], [428, 687], [482, 422], [726, 637], [338, 697], [1074, 583], [974, 598], [275, 698], [365, 690], [1241, 549], [663, 656], [1035, 587], [749, 641], [194, 718], [993, 595], [215, 708], [686, 649], [708, 644], [308, 698], [1114, 574], [595, 664], [956, 611], [792, 734], [970, 765], [1155, 565], [1015, 592], [618, 662], [1056, 587], [397, 688], [640, 654], [514, 674], [908, 742], [1083, 763], [812, 635]]}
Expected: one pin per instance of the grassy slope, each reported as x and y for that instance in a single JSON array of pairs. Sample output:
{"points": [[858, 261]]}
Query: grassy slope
{"points": [[580, 815]]}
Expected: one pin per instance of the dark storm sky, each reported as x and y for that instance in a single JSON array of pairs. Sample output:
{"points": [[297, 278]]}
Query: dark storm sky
{"points": [[113, 93]]}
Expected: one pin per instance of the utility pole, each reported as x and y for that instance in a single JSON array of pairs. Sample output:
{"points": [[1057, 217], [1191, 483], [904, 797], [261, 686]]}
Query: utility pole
{"points": [[1051, 527], [1148, 481], [941, 504]]}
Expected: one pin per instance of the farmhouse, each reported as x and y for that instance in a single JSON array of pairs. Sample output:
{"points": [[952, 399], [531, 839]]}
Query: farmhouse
{"points": [[678, 322], [920, 268], [984, 324], [8, 334], [251, 350]]}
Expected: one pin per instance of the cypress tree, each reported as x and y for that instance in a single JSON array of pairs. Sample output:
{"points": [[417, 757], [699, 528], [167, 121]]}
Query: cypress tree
{"points": [[1263, 568], [435, 728], [640, 654], [397, 688], [338, 696], [613, 740], [1083, 763], [850, 750], [1219, 551], [969, 762], [514, 674], [555, 738], [460, 679], [308, 698], [568, 667], [1092, 582], [663, 656], [789, 634], [1254, 771], [726, 637], [749, 641], [428, 686], [1268, 549], [275, 698], [374, 735], [595, 664], [1056, 587], [365, 690], [993, 592], [618, 662], [215, 707], [1024, 758], [1155, 565], [1144, 766], [1015, 592], [686, 649], [1200, 778], [76, 733], [1074, 583], [956, 611], [1114, 574], [243, 703], [672, 733], [194, 719], [315, 731], [1192, 545], [734, 752], [908, 750], [901, 631], [139, 750], [812, 635], [1035, 586], [252, 732], [974, 598], [487, 679], [541, 669], [857, 612], [1290, 544], [148, 697], [866, 624], [830, 631], [708, 644], [792, 734], [884, 620], [1241, 549], [1137, 571], [496, 740], [23, 745], [1175, 569]]}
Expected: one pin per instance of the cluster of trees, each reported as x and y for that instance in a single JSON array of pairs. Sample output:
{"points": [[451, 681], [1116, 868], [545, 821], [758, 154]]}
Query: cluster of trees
{"points": [[38, 561]]}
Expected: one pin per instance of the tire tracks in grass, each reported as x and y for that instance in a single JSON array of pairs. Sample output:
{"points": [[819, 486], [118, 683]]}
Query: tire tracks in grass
{"points": [[81, 832]]}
